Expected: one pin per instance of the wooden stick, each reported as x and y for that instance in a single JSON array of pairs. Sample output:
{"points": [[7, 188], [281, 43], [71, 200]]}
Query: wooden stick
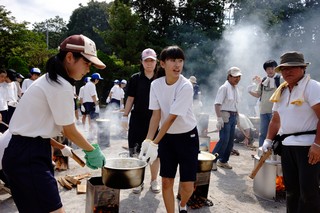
{"points": [[60, 146], [77, 159], [263, 158]]}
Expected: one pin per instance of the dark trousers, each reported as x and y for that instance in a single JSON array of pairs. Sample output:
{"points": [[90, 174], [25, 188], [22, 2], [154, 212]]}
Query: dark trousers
{"points": [[138, 128], [301, 180]]}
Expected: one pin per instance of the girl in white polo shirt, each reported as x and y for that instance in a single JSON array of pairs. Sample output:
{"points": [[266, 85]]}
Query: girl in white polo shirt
{"points": [[171, 98], [46, 109]]}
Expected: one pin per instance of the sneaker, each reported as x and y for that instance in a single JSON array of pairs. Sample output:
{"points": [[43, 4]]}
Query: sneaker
{"points": [[224, 165], [182, 210], [155, 188], [138, 189]]}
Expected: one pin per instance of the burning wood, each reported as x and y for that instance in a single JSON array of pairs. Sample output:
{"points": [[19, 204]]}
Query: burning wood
{"points": [[279, 183]]}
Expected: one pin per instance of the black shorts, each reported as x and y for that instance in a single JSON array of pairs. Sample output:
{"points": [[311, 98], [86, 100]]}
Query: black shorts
{"points": [[179, 149], [28, 166]]}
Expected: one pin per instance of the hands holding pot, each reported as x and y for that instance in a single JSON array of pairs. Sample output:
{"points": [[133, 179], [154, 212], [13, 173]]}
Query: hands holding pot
{"points": [[149, 150]]}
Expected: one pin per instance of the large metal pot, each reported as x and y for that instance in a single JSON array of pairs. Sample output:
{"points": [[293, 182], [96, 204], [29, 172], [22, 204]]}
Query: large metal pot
{"points": [[123, 173], [205, 161]]}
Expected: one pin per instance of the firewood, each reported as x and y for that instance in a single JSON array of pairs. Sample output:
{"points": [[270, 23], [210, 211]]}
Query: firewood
{"points": [[81, 188], [65, 183], [72, 180], [82, 176]]}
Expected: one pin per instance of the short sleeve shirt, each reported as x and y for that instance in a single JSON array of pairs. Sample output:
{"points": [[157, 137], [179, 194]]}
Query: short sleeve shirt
{"points": [[43, 109], [139, 88], [174, 99], [298, 118]]}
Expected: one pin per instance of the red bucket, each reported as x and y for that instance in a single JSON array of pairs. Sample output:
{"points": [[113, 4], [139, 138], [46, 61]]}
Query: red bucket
{"points": [[212, 145]]}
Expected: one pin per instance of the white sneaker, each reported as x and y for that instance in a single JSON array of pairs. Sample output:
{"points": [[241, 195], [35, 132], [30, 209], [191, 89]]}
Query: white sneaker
{"points": [[224, 165], [155, 188], [138, 189]]}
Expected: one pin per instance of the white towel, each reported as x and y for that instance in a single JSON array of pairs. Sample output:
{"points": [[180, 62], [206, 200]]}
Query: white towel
{"points": [[232, 92], [298, 99], [270, 81]]}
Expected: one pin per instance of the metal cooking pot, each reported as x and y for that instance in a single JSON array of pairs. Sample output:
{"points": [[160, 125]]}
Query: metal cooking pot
{"points": [[205, 161], [123, 173]]}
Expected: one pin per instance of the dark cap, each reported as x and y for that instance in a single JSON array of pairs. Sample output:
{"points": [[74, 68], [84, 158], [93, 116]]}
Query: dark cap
{"points": [[292, 59]]}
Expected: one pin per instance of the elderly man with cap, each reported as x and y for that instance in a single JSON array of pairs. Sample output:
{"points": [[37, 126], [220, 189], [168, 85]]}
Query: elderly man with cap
{"points": [[226, 107], [296, 118]]}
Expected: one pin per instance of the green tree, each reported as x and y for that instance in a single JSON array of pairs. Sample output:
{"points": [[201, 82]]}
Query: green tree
{"points": [[124, 35], [54, 30], [158, 18], [88, 20], [17, 40]]}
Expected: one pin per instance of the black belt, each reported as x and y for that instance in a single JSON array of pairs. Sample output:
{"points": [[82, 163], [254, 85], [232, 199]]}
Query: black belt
{"points": [[230, 112]]}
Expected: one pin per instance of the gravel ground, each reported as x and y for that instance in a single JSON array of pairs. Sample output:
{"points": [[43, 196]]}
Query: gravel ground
{"points": [[229, 190]]}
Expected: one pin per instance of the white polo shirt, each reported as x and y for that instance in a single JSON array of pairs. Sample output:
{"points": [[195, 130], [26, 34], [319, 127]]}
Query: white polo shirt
{"points": [[174, 99], [295, 118], [26, 84], [44, 109], [89, 90], [222, 98], [117, 92]]}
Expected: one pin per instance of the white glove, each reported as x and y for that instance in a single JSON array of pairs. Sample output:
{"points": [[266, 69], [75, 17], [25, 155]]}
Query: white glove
{"points": [[267, 144], [122, 106], [152, 153], [108, 100], [144, 148], [220, 123], [97, 109], [82, 108], [66, 151]]}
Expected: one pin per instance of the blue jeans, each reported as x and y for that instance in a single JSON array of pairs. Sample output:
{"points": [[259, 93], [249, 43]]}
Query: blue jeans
{"points": [[264, 124], [225, 143]]}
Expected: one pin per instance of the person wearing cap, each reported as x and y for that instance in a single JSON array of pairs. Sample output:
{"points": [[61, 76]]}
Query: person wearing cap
{"points": [[34, 75], [45, 110], [82, 108], [197, 104], [267, 86], [226, 108], [123, 85], [91, 102], [137, 105], [171, 97], [296, 109], [116, 96]]}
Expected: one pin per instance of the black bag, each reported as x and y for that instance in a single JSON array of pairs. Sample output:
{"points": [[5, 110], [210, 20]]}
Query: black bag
{"points": [[277, 141]]}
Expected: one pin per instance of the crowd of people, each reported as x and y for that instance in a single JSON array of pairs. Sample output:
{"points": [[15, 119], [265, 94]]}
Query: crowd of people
{"points": [[159, 107]]}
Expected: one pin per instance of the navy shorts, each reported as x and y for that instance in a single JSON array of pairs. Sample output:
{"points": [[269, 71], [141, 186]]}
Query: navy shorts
{"points": [[28, 166], [90, 110], [179, 149]]}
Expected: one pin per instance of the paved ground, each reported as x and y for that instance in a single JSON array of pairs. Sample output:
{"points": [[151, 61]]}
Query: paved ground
{"points": [[229, 190]]}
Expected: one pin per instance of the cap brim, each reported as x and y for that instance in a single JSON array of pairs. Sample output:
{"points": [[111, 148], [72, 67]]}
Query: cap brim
{"points": [[95, 61], [154, 58], [236, 75], [277, 69]]}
